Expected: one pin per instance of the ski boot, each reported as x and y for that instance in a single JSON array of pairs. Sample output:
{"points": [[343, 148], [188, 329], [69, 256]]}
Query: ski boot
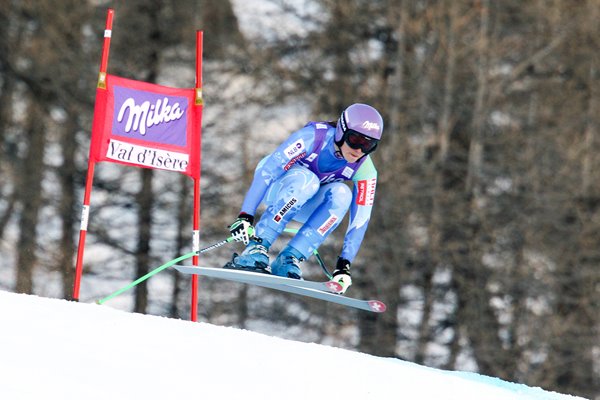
{"points": [[287, 264], [254, 258]]}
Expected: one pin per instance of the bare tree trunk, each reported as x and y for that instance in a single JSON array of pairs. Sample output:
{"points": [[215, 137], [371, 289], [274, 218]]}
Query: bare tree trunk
{"points": [[66, 208], [183, 225], [479, 111], [518, 307], [145, 201], [30, 198], [7, 176], [423, 335], [449, 39]]}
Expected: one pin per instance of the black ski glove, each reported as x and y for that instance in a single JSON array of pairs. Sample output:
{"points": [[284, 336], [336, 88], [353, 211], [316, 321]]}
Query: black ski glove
{"points": [[241, 229], [341, 274]]}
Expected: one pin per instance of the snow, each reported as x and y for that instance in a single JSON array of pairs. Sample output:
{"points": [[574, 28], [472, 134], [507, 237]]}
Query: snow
{"points": [[56, 349]]}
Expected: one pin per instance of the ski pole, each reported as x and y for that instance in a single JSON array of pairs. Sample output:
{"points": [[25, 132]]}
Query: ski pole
{"points": [[162, 267], [315, 253], [322, 264]]}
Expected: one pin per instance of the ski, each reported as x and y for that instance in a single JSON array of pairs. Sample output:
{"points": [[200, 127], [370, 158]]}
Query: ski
{"points": [[300, 287], [251, 277], [367, 305]]}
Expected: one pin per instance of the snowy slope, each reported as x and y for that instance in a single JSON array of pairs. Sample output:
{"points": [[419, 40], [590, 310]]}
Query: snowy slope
{"points": [[55, 349]]}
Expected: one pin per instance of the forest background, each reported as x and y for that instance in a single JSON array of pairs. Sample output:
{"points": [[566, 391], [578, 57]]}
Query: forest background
{"points": [[484, 239]]}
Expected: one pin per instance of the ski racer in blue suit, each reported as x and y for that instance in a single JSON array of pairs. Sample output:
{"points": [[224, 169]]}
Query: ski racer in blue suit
{"points": [[303, 180]]}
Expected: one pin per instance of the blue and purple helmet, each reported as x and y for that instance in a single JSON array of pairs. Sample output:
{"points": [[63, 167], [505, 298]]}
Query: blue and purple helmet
{"points": [[361, 126]]}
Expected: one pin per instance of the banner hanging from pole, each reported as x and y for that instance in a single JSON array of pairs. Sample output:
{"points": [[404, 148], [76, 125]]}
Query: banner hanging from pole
{"points": [[147, 125]]}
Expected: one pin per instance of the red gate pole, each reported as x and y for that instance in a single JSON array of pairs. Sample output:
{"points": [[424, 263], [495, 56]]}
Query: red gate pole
{"points": [[91, 163], [196, 220]]}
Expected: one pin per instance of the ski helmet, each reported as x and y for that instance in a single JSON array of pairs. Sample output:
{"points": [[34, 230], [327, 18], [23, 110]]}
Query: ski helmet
{"points": [[359, 120]]}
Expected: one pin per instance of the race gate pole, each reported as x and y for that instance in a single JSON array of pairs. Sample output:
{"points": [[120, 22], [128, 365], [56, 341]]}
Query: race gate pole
{"points": [[198, 103], [100, 92]]}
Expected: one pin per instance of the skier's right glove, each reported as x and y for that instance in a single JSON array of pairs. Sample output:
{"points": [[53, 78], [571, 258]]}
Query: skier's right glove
{"points": [[341, 274], [241, 229]]}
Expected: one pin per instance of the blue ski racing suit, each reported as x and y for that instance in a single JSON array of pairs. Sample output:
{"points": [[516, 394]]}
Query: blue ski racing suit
{"points": [[304, 180]]}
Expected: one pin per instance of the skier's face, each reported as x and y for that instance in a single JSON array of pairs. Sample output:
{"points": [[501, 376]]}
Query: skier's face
{"points": [[351, 155]]}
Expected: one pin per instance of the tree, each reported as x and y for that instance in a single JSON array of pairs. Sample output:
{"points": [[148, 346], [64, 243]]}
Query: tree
{"points": [[30, 198]]}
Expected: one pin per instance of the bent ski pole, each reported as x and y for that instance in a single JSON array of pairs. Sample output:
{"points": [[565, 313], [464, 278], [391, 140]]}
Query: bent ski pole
{"points": [[163, 267], [322, 264]]}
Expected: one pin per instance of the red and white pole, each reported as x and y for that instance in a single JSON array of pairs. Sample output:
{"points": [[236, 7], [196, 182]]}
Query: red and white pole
{"points": [[91, 163], [198, 104]]}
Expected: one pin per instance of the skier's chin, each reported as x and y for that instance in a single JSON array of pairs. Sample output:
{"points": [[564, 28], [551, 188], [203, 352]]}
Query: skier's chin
{"points": [[352, 156]]}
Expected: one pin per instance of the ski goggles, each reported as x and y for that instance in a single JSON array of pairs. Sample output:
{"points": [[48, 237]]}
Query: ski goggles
{"points": [[357, 140]]}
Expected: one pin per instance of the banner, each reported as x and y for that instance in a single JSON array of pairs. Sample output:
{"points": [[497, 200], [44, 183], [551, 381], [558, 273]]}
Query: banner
{"points": [[147, 125]]}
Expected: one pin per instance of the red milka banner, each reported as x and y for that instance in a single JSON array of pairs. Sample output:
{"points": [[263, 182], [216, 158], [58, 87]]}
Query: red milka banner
{"points": [[147, 125]]}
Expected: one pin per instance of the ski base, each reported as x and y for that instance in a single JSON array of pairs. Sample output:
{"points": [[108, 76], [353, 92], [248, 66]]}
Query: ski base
{"points": [[328, 291]]}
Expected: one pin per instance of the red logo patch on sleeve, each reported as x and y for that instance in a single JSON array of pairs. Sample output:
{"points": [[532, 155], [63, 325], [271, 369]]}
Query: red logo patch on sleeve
{"points": [[366, 192]]}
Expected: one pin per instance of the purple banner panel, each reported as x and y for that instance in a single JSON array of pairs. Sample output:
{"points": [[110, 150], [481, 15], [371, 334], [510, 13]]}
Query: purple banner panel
{"points": [[149, 116]]}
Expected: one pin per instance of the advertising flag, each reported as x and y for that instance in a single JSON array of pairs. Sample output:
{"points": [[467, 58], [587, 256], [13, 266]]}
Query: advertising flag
{"points": [[147, 125]]}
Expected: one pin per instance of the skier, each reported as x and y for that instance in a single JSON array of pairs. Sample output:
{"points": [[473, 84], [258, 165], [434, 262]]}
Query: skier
{"points": [[303, 180]]}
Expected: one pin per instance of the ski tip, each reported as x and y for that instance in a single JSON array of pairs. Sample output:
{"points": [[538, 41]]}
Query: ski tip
{"points": [[334, 287], [377, 306]]}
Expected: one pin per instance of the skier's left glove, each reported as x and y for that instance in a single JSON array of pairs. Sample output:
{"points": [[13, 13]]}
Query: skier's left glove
{"points": [[241, 229], [341, 274]]}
